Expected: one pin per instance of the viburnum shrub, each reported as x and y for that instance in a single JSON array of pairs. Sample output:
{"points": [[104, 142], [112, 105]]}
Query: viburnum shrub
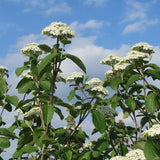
{"points": [[131, 79]]}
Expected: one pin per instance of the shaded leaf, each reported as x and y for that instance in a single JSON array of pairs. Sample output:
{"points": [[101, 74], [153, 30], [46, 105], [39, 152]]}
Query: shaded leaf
{"points": [[24, 85], [77, 61], [44, 47], [99, 121]]}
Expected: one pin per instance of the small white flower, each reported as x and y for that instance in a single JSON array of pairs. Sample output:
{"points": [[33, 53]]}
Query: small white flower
{"points": [[109, 72], [154, 131], [34, 111], [27, 75], [88, 145], [144, 47], [136, 154], [56, 29], [118, 158], [93, 83], [101, 90], [74, 76], [120, 66], [32, 48], [19, 111], [135, 55], [111, 59], [4, 68]]}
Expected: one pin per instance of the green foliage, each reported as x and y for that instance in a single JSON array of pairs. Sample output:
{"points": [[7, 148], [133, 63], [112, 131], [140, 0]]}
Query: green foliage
{"points": [[36, 131]]}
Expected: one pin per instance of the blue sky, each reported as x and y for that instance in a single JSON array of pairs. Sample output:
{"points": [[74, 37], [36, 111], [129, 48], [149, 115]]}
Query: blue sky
{"points": [[102, 27]]}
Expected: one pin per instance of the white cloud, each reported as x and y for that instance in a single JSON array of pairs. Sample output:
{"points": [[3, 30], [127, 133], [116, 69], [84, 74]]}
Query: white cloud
{"points": [[60, 8], [97, 3], [137, 17]]}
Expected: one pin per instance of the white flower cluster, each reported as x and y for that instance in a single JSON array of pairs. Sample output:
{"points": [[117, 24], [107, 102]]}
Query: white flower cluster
{"points": [[74, 76], [88, 145], [33, 112], [27, 75], [118, 158], [120, 66], [139, 51], [111, 59], [109, 72], [143, 47], [108, 111], [136, 154], [154, 131], [135, 55], [32, 48], [56, 29], [95, 84], [19, 111], [60, 78], [3, 68]]}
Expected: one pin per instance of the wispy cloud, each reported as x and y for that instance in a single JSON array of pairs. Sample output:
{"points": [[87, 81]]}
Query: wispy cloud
{"points": [[96, 3], [60, 8], [90, 24], [47, 7], [137, 16]]}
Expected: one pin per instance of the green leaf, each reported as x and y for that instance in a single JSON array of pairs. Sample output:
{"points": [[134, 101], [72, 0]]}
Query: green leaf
{"points": [[71, 95], [151, 102], [144, 120], [45, 61], [151, 152], [114, 83], [4, 142], [86, 156], [131, 104], [24, 85], [139, 144], [99, 121], [154, 73], [132, 79], [44, 47], [6, 132], [2, 86], [19, 70], [25, 149], [48, 112], [77, 61], [68, 155], [125, 114], [12, 99], [45, 85]]}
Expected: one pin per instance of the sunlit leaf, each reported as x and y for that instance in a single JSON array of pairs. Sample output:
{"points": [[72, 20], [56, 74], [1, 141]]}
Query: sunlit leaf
{"points": [[151, 102]]}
